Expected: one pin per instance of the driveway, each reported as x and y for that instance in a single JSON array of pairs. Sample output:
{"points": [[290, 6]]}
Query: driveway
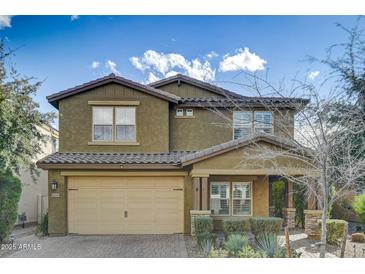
{"points": [[117, 246]]}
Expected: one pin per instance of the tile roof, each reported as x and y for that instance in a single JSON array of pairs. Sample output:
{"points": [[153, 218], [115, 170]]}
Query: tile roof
{"points": [[231, 145], [113, 158], [247, 101], [195, 82], [111, 78]]}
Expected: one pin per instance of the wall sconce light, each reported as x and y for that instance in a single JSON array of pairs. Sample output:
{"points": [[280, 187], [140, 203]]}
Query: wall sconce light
{"points": [[54, 185]]}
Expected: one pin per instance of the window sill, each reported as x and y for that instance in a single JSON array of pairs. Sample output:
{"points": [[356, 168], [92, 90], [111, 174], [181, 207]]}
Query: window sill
{"points": [[184, 117], [95, 143]]}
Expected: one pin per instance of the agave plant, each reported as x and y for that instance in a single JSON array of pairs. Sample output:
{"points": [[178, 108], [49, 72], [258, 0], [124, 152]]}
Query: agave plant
{"points": [[268, 243], [235, 244]]}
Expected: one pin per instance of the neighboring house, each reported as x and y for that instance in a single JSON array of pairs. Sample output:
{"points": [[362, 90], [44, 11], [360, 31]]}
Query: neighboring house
{"points": [[137, 159], [34, 197]]}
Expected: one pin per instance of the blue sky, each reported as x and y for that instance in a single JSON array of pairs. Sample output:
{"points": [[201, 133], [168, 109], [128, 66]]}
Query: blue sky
{"points": [[65, 51]]}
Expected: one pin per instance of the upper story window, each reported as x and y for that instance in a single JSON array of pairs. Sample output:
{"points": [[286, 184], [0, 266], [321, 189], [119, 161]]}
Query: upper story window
{"points": [[103, 123], [189, 113], [114, 124], [125, 124], [54, 142], [242, 124], [179, 112], [263, 122]]}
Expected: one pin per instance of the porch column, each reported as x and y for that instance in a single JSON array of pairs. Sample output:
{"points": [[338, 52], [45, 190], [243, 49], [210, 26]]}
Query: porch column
{"points": [[312, 216], [289, 212], [196, 193], [204, 193]]}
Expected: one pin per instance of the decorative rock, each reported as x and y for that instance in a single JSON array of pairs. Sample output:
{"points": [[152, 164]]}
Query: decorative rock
{"points": [[358, 238], [311, 224]]}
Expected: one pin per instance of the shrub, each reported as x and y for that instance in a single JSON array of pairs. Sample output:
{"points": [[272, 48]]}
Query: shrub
{"points": [[265, 225], [218, 253], [249, 252], [235, 244], [358, 238], [205, 242], [268, 243], [233, 227], [43, 227], [203, 224], [335, 231], [10, 190], [359, 206], [278, 197], [300, 203]]}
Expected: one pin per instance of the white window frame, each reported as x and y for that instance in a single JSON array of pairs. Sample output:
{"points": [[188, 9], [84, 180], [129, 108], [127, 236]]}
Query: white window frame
{"points": [[189, 110], [250, 125], [179, 112], [263, 125], [93, 125], [228, 198], [115, 125], [251, 198]]}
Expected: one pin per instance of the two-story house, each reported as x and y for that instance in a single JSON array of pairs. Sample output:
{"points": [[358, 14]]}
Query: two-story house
{"points": [[137, 159]]}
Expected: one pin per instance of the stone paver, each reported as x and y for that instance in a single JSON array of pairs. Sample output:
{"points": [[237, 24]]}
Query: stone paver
{"points": [[114, 246]]}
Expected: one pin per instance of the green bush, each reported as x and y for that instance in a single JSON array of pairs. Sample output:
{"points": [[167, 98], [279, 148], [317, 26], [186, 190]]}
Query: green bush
{"points": [[10, 190], [278, 197], [203, 224], [335, 231], [43, 227], [265, 225], [359, 206], [233, 227], [249, 252], [205, 242], [268, 243], [235, 244], [300, 203], [218, 253]]}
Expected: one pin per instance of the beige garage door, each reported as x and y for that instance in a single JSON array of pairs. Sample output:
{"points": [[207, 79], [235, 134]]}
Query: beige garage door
{"points": [[125, 205]]}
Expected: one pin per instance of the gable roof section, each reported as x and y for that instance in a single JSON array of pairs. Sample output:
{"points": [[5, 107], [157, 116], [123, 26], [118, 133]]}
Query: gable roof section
{"points": [[112, 78], [195, 82], [232, 145]]}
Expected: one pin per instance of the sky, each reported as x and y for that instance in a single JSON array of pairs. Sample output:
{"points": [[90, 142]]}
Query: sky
{"points": [[64, 51]]}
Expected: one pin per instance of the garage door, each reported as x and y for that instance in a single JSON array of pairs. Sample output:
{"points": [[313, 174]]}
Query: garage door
{"points": [[125, 205]]}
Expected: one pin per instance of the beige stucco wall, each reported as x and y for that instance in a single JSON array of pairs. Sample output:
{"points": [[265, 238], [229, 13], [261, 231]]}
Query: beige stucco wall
{"points": [[33, 200], [152, 122]]}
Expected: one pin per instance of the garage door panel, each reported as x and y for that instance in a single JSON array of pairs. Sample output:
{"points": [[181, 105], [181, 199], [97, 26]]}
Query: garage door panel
{"points": [[153, 205]]}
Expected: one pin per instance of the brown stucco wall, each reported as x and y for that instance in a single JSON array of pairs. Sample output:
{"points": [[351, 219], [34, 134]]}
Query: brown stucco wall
{"points": [[205, 130], [57, 206], [186, 90], [75, 122]]}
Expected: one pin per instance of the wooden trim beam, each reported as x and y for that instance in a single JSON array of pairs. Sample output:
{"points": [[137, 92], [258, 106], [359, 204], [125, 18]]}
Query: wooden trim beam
{"points": [[204, 193], [260, 171], [114, 103], [196, 193], [123, 173]]}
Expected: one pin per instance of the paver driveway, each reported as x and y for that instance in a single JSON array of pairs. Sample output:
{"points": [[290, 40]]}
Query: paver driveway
{"points": [[118, 246]]}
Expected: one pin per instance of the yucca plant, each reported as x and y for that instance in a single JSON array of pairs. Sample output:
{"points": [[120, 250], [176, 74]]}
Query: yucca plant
{"points": [[235, 244], [268, 243]]}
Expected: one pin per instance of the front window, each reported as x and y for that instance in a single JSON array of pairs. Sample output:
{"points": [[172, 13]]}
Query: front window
{"points": [[125, 124], [263, 122], [103, 123], [241, 198], [239, 205], [242, 124], [189, 113], [219, 198], [179, 112]]}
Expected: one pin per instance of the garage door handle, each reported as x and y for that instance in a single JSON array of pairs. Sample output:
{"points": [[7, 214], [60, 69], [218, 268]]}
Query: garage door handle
{"points": [[125, 214], [178, 189]]}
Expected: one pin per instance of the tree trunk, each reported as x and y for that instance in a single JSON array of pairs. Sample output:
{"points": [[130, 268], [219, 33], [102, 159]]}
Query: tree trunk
{"points": [[322, 251]]}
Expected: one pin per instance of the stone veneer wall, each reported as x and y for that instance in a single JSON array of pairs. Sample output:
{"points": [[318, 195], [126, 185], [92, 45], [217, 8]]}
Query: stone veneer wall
{"points": [[289, 217], [197, 213], [311, 224]]}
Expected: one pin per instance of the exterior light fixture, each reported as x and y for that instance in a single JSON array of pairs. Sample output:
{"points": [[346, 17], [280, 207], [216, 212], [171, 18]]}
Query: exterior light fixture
{"points": [[54, 185]]}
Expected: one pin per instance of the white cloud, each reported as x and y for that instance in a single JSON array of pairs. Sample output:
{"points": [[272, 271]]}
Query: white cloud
{"points": [[5, 21], [242, 60], [74, 17], [95, 64], [313, 74], [112, 66], [163, 65], [152, 78], [211, 55]]}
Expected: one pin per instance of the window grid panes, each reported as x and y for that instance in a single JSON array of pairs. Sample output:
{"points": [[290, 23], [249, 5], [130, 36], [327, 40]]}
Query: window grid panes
{"points": [[241, 199], [189, 113], [242, 124], [103, 123], [125, 120], [179, 112], [263, 122], [219, 198]]}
